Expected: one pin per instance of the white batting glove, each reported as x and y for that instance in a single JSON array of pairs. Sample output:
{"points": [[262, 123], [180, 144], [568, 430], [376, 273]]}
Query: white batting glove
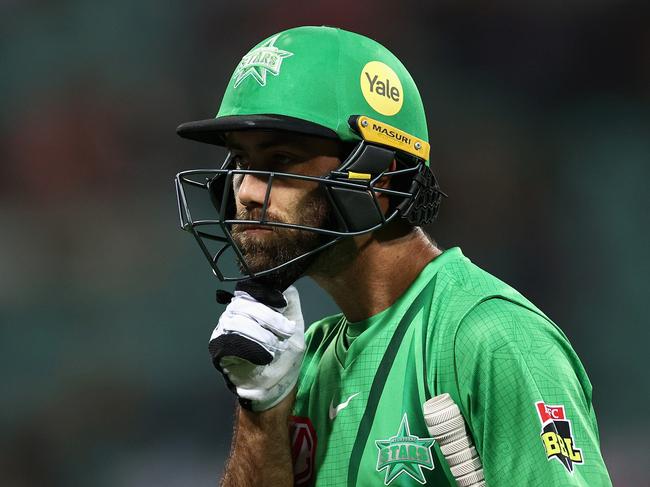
{"points": [[259, 348]]}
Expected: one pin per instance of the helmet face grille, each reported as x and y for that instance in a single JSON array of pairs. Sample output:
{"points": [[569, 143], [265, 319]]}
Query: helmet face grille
{"points": [[353, 197]]}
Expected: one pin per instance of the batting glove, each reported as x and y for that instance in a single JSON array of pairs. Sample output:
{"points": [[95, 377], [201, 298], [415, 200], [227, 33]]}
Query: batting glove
{"points": [[259, 347]]}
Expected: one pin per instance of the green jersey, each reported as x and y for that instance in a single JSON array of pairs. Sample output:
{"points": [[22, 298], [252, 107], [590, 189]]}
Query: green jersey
{"points": [[522, 390]]}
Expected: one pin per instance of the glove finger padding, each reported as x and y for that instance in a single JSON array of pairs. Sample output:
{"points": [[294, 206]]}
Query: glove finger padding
{"points": [[293, 310], [245, 326], [274, 320], [249, 330], [259, 349], [237, 346]]}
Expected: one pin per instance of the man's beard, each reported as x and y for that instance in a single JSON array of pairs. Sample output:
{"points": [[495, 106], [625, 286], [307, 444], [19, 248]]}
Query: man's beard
{"points": [[281, 245]]}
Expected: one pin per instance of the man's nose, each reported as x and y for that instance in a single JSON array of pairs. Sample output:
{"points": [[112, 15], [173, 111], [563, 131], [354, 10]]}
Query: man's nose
{"points": [[252, 191]]}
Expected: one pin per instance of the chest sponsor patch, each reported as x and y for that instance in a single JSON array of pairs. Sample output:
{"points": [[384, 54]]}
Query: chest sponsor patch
{"points": [[303, 449], [404, 453], [557, 437]]}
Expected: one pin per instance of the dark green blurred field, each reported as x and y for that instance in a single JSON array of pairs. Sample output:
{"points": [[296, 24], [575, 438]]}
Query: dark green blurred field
{"points": [[539, 121]]}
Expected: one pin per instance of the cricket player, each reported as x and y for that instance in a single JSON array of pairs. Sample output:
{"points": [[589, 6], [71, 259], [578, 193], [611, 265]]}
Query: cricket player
{"points": [[328, 176]]}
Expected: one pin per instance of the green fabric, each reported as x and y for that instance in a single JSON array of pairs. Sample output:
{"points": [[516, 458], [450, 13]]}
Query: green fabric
{"points": [[458, 330], [317, 74]]}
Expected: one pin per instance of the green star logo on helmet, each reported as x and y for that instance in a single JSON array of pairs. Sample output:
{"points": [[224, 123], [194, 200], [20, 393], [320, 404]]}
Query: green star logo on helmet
{"points": [[261, 60]]}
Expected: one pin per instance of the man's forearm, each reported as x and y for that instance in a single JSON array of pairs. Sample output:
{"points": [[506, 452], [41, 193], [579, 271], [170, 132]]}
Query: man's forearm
{"points": [[261, 452]]}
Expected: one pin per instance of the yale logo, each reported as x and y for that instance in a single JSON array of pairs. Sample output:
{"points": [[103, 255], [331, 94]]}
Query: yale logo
{"points": [[381, 88]]}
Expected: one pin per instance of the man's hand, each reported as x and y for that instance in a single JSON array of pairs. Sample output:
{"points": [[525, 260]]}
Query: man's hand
{"points": [[259, 348]]}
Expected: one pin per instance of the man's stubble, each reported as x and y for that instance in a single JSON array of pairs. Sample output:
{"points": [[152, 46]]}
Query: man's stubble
{"points": [[282, 245]]}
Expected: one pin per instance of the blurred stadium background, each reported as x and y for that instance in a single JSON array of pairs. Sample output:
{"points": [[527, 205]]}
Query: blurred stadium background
{"points": [[539, 120]]}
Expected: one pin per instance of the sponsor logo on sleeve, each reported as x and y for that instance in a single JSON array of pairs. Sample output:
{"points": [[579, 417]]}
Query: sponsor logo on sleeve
{"points": [[262, 60], [382, 88], [404, 453], [303, 449], [557, 437]]}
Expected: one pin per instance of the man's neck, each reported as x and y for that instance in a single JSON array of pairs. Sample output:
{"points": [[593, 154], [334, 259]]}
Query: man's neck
{"points": [[367, 274]]}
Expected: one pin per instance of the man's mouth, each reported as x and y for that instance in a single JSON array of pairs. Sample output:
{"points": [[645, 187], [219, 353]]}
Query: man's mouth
{"points": [[253, 228]]}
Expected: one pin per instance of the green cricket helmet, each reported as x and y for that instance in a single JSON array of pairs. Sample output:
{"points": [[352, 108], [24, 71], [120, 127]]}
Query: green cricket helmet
{"points": [[325, 82]]}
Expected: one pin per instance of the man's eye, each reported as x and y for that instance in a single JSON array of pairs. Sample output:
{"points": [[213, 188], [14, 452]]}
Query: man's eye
{"points": [[238, 161], [284, 159]]}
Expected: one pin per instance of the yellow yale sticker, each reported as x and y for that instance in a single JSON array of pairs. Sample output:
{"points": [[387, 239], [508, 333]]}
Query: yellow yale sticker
{"points": [[382, 88], [384, 134]]}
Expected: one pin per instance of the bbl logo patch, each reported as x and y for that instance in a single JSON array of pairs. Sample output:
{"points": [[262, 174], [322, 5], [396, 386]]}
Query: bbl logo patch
{"points": [[381, 88], [404, 453], [263, 59], [557, 437]]}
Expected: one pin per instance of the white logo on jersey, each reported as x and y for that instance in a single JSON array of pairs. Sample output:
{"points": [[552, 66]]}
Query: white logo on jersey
{"points": [[404, 453], [336, 410]]}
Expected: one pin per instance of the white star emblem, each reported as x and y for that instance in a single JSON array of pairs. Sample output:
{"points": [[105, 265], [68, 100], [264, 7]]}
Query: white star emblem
{"points": [[261, 60]]}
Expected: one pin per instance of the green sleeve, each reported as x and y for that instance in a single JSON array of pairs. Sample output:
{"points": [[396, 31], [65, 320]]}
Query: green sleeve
{"points": [[509, 360]]}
